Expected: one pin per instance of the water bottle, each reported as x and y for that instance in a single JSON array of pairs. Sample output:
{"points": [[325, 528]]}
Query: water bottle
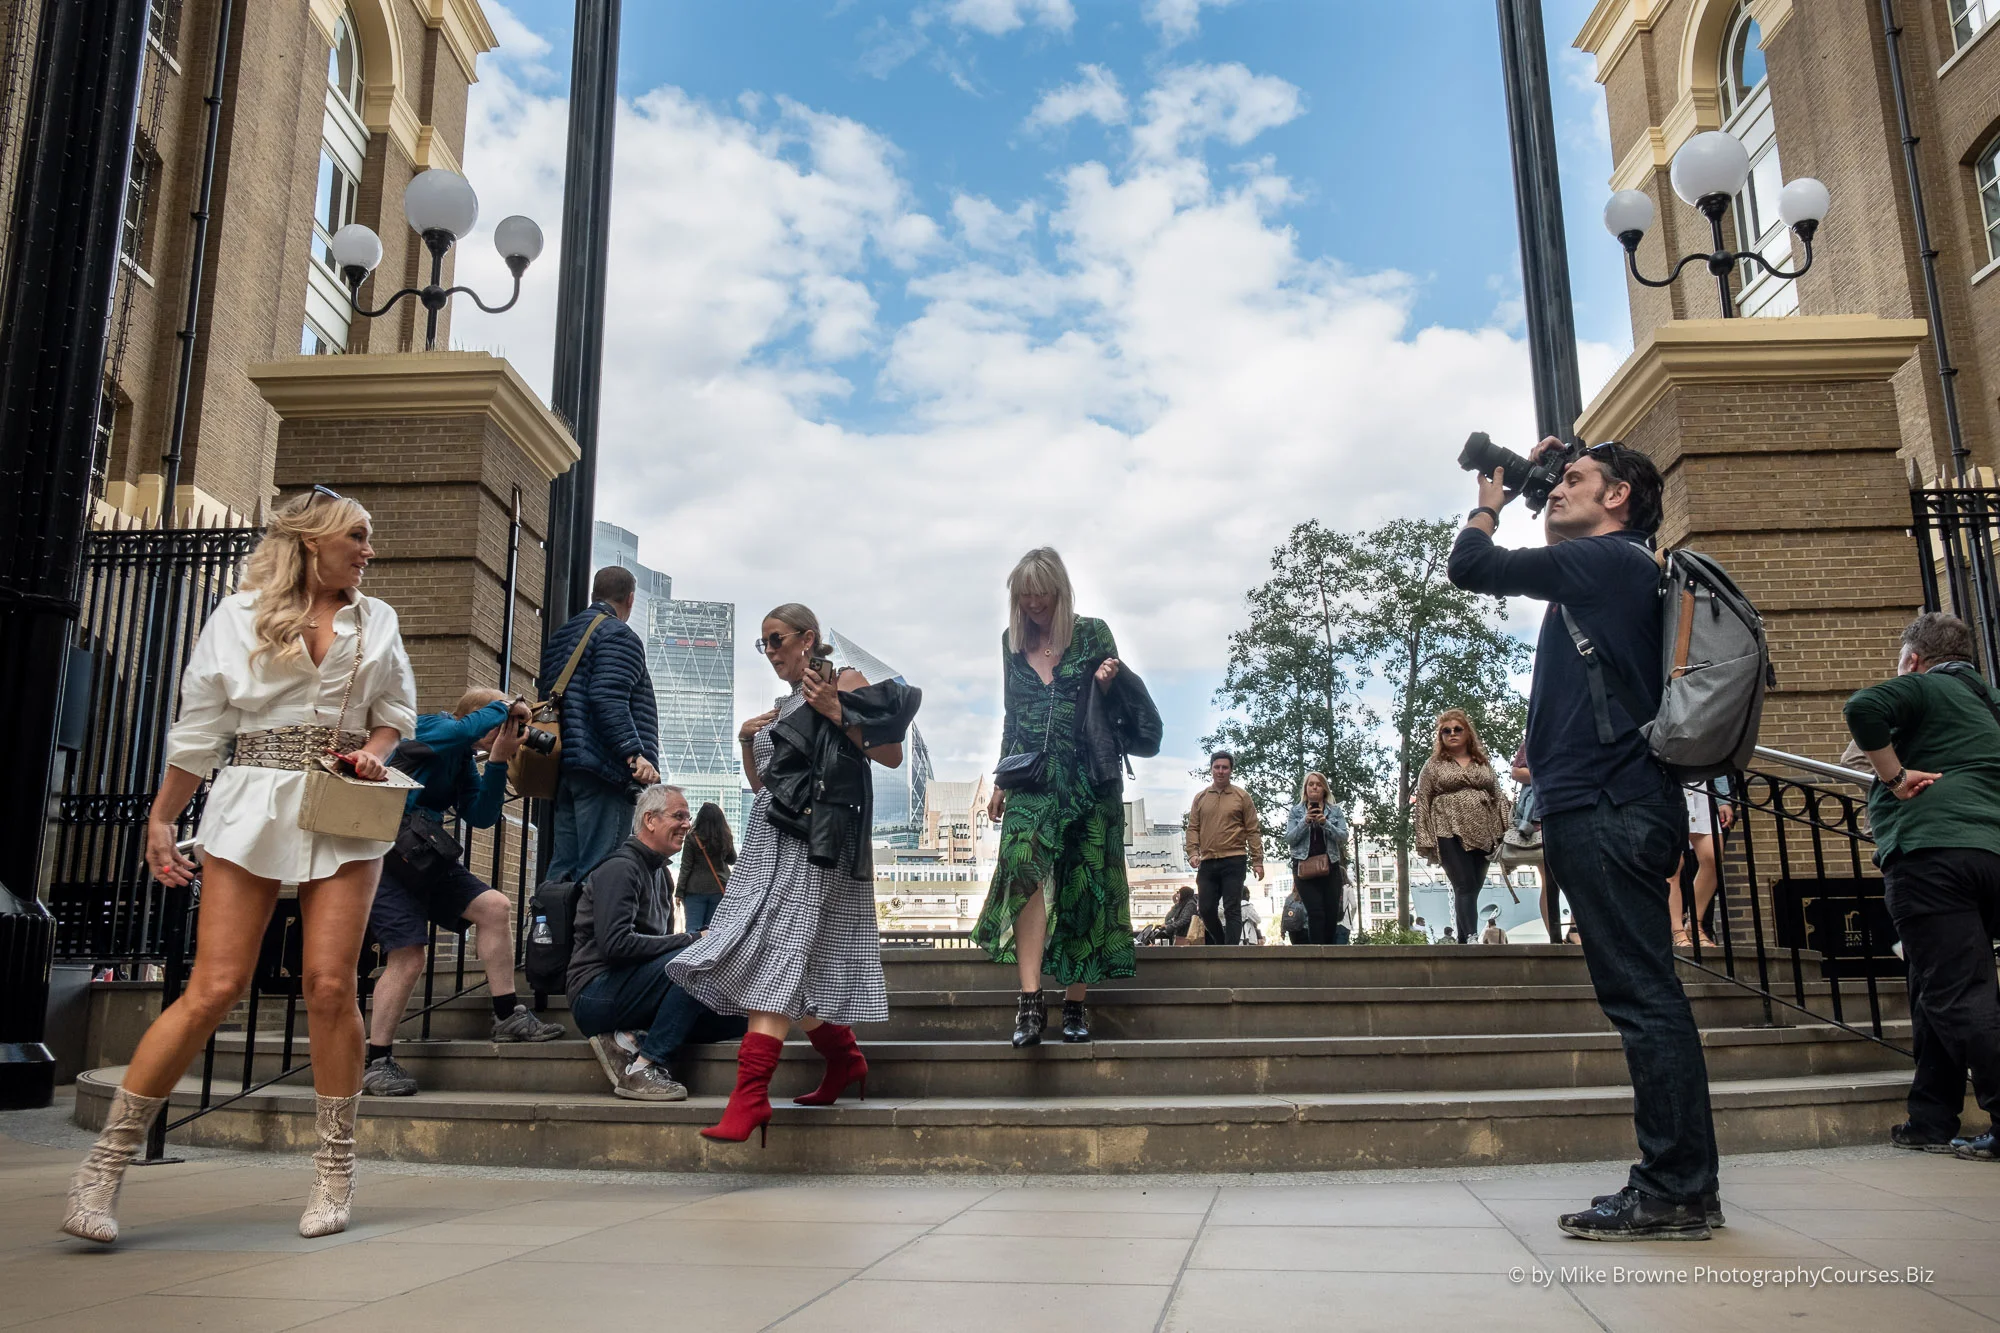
{"points": [[540, 934]]}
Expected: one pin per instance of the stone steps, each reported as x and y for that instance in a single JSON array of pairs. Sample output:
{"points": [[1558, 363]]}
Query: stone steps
{"points": [[1160, 1013], [1108, 1135]]}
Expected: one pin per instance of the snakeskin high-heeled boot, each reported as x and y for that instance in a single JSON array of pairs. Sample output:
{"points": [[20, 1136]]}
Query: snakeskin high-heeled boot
{"points": [[333, 1168], [93, 1190]]}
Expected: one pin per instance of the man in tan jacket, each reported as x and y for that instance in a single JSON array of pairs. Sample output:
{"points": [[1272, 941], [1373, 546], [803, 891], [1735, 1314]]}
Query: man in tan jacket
{"points": [[1224, 840]]}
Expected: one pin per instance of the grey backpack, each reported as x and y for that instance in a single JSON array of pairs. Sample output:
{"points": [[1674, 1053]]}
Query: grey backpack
{"points": [[1716, 667]]}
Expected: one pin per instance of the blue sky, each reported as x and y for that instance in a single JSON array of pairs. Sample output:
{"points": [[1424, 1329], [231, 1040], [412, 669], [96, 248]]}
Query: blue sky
{"points": [[901, 289]]}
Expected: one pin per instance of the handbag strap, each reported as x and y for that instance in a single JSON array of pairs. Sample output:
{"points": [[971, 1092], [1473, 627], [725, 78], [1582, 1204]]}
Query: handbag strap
{"points": [[576, 656], [348, 693], [713, 873]]}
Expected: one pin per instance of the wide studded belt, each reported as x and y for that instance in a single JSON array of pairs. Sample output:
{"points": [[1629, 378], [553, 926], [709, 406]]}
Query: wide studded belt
{"points": [[294, 748]]}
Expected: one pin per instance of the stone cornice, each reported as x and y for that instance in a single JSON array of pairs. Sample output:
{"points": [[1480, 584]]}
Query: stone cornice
{"points": [[463, 25], [1648, 155], [1747, 351], [433, 151], [1612, 28], [418, 384]]}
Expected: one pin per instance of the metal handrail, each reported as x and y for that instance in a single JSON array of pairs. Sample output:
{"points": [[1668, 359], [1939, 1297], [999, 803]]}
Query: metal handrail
{"points": [[1820, 767]]}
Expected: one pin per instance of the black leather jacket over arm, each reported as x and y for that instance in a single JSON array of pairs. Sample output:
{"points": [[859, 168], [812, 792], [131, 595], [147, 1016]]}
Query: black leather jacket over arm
{"points": [[821, 790]]}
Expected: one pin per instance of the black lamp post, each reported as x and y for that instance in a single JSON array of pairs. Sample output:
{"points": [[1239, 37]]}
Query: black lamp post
{"points": [[442, 209], [1709, 171]]}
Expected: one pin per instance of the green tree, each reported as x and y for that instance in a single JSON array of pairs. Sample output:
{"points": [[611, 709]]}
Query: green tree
{"points": [[1434, 647], [1290, 684]]}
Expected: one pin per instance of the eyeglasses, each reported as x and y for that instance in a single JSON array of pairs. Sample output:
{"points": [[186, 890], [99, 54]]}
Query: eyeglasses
{"points": [[1451, 731], [328, 492], [772, 643]]}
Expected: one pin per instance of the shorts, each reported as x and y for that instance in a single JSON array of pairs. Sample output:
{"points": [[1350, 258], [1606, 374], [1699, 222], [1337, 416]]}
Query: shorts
{"points": [[407, 903], [1701, 820]]}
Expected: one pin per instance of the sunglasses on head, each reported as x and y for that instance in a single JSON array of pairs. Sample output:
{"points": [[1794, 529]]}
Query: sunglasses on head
{"points": [[328, 492]]}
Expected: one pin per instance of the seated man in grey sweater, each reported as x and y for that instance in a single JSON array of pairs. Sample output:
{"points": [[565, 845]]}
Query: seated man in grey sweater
{"points": [[618, 989]]}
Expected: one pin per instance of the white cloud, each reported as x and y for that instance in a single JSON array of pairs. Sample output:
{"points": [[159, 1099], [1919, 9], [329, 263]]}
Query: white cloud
{"points": [[1159, 384], [996, 18], [517, 40], [1226, 102], [1096, 95], [1177, 20]]}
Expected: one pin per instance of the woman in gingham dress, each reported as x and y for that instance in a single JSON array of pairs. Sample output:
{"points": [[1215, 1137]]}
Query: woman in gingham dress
{"points": [[792, 942]]}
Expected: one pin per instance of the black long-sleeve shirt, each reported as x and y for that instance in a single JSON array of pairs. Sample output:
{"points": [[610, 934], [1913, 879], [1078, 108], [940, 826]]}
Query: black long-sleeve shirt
{"points": [[623, 915], [1611, 586]]}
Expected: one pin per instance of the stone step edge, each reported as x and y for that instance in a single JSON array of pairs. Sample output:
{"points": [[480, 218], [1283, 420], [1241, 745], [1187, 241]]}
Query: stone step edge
{"points": [[476, 999], [1613, 1100], [1190, 1048]]}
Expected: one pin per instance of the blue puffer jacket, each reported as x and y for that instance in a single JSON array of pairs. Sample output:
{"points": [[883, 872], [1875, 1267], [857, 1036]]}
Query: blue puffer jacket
{"points": [[608, 713]]}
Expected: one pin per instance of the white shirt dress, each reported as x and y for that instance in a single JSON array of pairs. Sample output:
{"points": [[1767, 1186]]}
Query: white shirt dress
{"points": [[252, 815]]}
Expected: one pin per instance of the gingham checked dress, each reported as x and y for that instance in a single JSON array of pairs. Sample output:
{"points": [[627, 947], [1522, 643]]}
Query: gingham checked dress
{"points": [[789, 937]]}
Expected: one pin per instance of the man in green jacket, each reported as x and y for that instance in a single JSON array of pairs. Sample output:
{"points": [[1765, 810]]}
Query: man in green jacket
{"points": [[1933, 736]]}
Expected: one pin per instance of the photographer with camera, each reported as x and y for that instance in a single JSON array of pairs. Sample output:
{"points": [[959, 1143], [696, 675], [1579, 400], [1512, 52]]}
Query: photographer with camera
{"points": [[425, 879], [1613, 823], [610, 725]]}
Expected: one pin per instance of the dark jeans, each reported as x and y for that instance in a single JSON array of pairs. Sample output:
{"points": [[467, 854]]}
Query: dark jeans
{"points": [[638, 996], [1613, 862], [1219, 884], [698, 909], [1324, 907], [592, 818], [1466, 869], [1945, 902]]}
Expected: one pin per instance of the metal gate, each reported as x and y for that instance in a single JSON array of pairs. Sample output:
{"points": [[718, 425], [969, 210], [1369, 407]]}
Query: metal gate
{"points": [[147, 591]]}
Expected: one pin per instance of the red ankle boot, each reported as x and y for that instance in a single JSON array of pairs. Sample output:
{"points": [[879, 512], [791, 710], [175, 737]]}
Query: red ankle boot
{"points": [[750, 1104], [845, 1065]]}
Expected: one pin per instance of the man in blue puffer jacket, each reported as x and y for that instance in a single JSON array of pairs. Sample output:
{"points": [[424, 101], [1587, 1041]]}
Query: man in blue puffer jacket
{"points": [[610, 727]]}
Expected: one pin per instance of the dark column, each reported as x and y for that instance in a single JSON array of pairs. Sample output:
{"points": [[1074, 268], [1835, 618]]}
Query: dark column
{"points": [[55, 312], [586, 236], [1538, 206]]}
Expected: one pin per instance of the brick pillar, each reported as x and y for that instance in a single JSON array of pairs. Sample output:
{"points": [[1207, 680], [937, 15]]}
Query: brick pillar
{"points": [[435, 445], [1777, 440]]}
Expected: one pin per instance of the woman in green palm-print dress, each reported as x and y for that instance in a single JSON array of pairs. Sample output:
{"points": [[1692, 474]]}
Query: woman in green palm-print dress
{"points": [[1058, 902]]}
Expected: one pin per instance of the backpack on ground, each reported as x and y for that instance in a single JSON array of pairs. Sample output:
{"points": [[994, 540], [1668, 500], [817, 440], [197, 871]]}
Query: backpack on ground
{"points": [[551, 935], [1716, 666]]}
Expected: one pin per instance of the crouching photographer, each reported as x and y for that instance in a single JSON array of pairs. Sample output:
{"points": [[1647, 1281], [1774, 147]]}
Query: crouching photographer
{"points": [[1613, 824], [425, 880]]}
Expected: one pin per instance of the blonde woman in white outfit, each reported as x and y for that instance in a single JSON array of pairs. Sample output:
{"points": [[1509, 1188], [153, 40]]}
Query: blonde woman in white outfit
{"points": [[263, 697]]}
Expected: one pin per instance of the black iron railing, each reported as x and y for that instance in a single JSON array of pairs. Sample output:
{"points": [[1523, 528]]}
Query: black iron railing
{"points": [[1957, 530], [1796, 891]]}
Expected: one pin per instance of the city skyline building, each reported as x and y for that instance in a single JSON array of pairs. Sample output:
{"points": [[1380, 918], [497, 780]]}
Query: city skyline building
{"points": [[900, 793]]}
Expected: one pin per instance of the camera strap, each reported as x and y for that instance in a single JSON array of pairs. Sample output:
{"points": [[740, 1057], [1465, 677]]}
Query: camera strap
{"points": [[1603, 685], [1966, 675]]}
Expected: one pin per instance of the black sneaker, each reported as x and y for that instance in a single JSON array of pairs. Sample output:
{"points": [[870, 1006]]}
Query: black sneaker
{"points": [[1907, 1135], [1981, 1149], [385, 1078], [524, 1026], [1632, 1215], [1711, 1207]]}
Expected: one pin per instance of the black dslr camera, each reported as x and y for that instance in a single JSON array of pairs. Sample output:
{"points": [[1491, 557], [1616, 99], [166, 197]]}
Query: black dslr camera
{"points": [[1531, 481], [534, 738]]}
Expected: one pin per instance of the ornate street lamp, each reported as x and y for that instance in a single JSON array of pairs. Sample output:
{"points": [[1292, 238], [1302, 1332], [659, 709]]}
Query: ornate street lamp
{"points": [[1709, 171], [441, 207]]}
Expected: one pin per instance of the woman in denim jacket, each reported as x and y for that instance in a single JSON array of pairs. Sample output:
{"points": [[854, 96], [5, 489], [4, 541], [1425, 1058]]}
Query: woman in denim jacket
{"points": [[1317, 827]]}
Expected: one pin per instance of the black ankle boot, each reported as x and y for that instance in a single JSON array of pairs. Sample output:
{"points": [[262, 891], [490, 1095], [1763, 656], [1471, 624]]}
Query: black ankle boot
{"points": [[1030, 1017], [1076, 1024]]}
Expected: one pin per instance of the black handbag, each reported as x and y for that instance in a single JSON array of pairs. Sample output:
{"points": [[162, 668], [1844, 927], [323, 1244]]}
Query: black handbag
{"points": [[424, 842], [1030, 771]]}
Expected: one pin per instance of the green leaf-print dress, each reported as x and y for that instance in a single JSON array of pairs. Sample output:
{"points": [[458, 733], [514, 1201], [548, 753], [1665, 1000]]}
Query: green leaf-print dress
{"points": [[1068, 837]]}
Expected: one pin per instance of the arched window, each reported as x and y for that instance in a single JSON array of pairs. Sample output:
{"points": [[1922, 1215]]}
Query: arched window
{"points": [[1745, 91], [343, 151], [1988, 170]]}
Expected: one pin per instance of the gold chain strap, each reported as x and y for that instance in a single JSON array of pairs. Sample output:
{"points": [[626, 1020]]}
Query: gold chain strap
{"points": [[347, 693]]}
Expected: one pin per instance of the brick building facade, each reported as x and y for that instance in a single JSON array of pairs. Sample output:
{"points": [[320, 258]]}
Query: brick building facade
{"points": [[1806, 84], [328, 108]]}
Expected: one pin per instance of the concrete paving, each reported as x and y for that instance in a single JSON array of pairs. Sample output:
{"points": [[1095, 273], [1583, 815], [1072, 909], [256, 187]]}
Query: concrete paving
{"points": [[1850, 1238]]}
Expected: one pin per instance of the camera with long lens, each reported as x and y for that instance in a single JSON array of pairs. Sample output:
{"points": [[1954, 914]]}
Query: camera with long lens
{"points": [[541, 742], [1531, 481]]}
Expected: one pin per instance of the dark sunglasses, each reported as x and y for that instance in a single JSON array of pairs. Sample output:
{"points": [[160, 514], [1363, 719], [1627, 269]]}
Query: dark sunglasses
{"points": [[774, 642], [328, 492], [1451, 731]]}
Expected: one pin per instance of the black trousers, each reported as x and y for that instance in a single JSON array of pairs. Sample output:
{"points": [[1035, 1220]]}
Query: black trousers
{"points": [[1945, 902], [1466, 869], [1219, 889], [1552, 905], [1324, 904]]}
